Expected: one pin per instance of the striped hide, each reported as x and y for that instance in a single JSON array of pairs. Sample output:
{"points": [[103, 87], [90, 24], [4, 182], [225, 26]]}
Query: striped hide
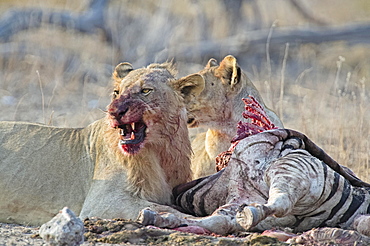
{"points": [[277, 178]]}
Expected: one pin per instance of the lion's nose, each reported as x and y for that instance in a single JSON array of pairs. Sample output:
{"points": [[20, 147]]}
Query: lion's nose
{"points": [[118, 112], [121, 112]]}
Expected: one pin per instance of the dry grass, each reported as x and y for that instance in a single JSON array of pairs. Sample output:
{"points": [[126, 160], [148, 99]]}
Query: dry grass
{"points": [[63, 77], [328, 101]]}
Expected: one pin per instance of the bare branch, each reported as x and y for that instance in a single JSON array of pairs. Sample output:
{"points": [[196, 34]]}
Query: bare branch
{"points": [[256, 40], [17, 20]]}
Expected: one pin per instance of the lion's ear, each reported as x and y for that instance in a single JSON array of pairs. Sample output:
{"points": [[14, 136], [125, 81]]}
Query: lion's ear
{"points": [[192, 84], [211, 63], [122, 70], [230, 70]]}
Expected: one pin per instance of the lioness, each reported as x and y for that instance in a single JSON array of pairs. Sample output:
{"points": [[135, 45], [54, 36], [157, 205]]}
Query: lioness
{"points": [[218, 108], [114, 167]]}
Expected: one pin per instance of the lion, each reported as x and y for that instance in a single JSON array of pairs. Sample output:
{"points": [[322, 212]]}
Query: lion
{"points": [[114, 167], [218, 108]]}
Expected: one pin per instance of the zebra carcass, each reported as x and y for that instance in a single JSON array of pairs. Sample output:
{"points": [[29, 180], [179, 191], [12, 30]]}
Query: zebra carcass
{"points": [[275, 178]]}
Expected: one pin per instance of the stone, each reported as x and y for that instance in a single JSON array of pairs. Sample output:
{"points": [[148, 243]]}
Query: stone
{"points": [[64, 229]]}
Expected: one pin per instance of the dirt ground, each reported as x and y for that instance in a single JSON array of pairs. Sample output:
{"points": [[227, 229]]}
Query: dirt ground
{"points": [[130, 233], [126, 232]]}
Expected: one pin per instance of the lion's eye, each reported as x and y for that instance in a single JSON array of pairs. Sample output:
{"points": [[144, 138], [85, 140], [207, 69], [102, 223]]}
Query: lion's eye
{"points": [[146, 91]]}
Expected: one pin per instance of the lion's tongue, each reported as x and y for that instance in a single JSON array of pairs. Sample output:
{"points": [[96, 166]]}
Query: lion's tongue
{"points": [[127, 132], [127, 136], [132, 133]]}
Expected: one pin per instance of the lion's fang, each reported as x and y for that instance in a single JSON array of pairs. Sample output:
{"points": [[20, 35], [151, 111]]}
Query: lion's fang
{"points": [[133, 126], [132, 135]]}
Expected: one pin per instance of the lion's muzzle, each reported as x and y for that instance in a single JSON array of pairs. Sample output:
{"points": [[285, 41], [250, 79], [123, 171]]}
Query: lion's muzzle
{"points": [[127, 116]]}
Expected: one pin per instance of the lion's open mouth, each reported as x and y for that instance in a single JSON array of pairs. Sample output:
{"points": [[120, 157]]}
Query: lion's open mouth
{"points": [[132, 136]]}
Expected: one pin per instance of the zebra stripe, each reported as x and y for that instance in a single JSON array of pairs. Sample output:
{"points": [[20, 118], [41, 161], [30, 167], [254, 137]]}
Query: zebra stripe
{"points": [[357, 201], [192, 201], [284, 174], [345, 194]]}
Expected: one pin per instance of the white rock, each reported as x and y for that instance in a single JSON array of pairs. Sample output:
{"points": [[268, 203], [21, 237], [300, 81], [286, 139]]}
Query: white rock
{"points": [[64, 229]]}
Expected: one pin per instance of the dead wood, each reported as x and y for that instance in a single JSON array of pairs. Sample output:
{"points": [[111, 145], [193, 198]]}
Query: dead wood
{"points": [[96, 18]]}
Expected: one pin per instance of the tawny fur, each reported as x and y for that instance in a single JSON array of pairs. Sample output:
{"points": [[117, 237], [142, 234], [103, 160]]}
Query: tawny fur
{"points": [[217, 107], [43, 169]]}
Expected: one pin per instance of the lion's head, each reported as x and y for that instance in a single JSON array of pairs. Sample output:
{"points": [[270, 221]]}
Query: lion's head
{"points": [[215, 102], [147, 118], [144, 109]]}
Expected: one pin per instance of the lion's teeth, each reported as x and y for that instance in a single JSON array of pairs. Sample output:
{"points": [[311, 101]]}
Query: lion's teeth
{"points": [[122, 132], [132, 135], [133, 126]]}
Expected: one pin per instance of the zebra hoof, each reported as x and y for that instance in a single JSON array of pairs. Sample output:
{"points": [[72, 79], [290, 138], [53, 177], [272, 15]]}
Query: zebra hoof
{"points": [[247, 216], [146, 217]]}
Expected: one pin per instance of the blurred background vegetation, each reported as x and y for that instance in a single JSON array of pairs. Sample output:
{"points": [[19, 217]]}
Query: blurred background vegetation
{"points": [[309, 59]]}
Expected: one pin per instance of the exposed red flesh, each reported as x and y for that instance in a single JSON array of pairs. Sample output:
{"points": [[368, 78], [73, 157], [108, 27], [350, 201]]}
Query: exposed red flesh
{"points": [[259, 122]]}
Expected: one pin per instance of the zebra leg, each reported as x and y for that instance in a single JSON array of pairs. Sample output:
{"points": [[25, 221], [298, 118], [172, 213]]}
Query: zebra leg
{"points": [[287, 186], [279, 205], [222, 221], [249, 216], [362, 224], [163, 220]]}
